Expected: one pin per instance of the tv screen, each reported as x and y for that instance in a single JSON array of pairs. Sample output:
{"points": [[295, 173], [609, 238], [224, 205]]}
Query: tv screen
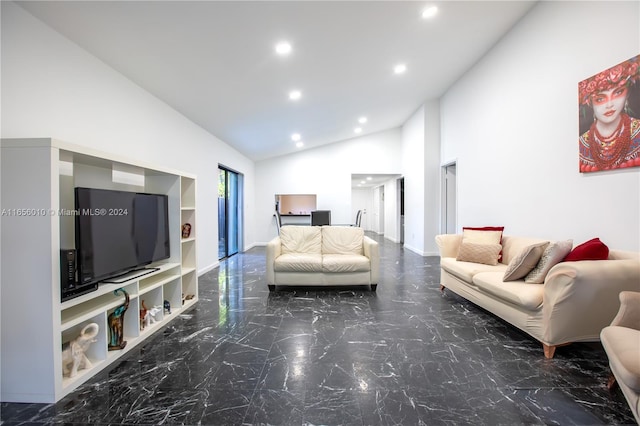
{"points": [[119, 231]]}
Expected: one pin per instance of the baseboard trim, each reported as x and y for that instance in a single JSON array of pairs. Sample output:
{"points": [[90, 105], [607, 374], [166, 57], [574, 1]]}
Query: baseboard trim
{"points": [[206, 269]]}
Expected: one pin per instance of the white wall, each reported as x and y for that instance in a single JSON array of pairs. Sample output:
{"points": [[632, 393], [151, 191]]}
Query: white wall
{"points": [[325, 171], [413, 169], [53, 88], [391, 211], [512, 125]]}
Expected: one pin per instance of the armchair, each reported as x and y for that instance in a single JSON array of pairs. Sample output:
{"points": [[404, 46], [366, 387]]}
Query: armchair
{"points": [[621, 342]]}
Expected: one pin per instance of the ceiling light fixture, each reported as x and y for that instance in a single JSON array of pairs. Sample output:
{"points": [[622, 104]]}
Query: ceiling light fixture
{"points": [[357, 130], [429, 12], [295, 95], [362, 120], [296, 137], [369, 178], [283, 48], [400, 68], [299, 144]]}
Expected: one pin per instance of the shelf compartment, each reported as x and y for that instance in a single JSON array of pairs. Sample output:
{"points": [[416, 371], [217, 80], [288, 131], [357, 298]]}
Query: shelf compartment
{"points": [[188, 192], [92, 307], [189, 254], [158, 280], [173, 294], [151, 299], [96, 352], [188, 215], [190, 285]]}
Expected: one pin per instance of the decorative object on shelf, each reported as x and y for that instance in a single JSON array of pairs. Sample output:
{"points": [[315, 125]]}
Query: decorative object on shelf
{"points": [[150, 318], [73, 352], [186, 230], [167, 306], [116, 323], [187, 297], [143, 315]]}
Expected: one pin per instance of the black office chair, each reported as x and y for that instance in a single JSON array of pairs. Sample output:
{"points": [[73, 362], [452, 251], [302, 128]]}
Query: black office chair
{"points": [[278, 221], [320, 217], [358, 219]]}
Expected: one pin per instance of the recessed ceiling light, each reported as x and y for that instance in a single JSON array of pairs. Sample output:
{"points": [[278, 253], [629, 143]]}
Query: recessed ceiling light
{"points": [[299, 144], [295, 95], [429, 12], [400, 68], [362, 182], [283, 48], [295, 137], [369, 178], [362, 120], [357, 130]]}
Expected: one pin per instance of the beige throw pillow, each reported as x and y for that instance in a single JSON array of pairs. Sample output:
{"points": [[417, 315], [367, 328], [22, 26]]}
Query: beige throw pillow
{"points": [[481, 237], [553, 254], [479, 253], [524, 262]]}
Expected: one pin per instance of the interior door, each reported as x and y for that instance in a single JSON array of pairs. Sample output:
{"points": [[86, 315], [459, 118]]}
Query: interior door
{"points": [[229, 212]]}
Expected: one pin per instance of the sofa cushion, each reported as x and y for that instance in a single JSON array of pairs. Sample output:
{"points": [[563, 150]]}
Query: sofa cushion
{"points": [[553, 254], [301, 239], [466, 270], [479, 253], [529, 296], [593, 249], [298, 262], [345, 263], [623, 346], [342, 240], [524, 262]]}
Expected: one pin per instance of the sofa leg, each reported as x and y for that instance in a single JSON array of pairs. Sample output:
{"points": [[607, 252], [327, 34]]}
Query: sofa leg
{"points": [[272, 287], [611, 382], [549, 351], [442, 288], [374, 287]]}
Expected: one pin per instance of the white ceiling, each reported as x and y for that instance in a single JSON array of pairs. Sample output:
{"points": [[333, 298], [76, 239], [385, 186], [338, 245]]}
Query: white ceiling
{"points": [[214, 61]]}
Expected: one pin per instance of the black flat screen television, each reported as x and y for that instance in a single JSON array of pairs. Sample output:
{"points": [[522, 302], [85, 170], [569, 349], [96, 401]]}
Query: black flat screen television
{"points": [[118, 232]]}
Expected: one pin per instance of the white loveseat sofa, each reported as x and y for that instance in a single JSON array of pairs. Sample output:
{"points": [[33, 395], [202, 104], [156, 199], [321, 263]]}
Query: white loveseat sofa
{"points": [[575, 302], [322, 255]]}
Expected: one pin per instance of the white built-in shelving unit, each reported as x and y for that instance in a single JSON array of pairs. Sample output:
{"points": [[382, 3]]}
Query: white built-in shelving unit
{"points": [[38, 180]]}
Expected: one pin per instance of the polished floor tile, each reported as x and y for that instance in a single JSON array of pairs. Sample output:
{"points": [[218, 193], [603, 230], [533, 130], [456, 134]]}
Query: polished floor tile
{"points": [[404, 355]]}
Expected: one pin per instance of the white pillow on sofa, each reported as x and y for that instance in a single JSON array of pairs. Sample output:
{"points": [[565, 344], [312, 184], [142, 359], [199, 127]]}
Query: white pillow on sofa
{"points": [[553, 254], [479, 253], [525, 261]]}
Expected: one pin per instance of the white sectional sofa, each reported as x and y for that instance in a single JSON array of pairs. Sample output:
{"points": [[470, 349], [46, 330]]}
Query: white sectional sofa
{"points": [[575, 302], [322, 256]]}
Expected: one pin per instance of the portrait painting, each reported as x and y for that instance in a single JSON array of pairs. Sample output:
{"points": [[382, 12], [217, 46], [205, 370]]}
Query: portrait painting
{"points": [[609, 118]]}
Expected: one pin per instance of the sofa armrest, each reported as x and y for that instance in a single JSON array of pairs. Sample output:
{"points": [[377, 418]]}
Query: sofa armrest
{"points": [[449, 244], [274, 250], [581, 298], [371, 250], [629, 313]]}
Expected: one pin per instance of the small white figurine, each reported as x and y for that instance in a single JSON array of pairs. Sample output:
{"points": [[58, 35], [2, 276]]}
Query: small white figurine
{"points": [[73, 357], [150, 316]]}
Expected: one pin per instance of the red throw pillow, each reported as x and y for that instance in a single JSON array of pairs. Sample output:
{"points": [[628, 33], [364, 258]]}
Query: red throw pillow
{"points": [[590, 250]]}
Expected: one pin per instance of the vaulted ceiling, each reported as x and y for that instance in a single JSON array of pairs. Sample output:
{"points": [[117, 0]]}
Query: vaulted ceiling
{"points": [[215, 61]]}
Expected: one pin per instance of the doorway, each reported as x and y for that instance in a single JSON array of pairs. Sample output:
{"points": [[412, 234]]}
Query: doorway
{"points": [[449, 198], [229, 212]]}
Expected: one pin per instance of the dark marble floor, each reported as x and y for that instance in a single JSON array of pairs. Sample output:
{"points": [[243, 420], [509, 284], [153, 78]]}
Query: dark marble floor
{"points": [[405, 355]]}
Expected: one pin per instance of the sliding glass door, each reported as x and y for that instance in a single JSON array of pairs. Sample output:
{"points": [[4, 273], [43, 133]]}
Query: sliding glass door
{"points": [[229, 212]]}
